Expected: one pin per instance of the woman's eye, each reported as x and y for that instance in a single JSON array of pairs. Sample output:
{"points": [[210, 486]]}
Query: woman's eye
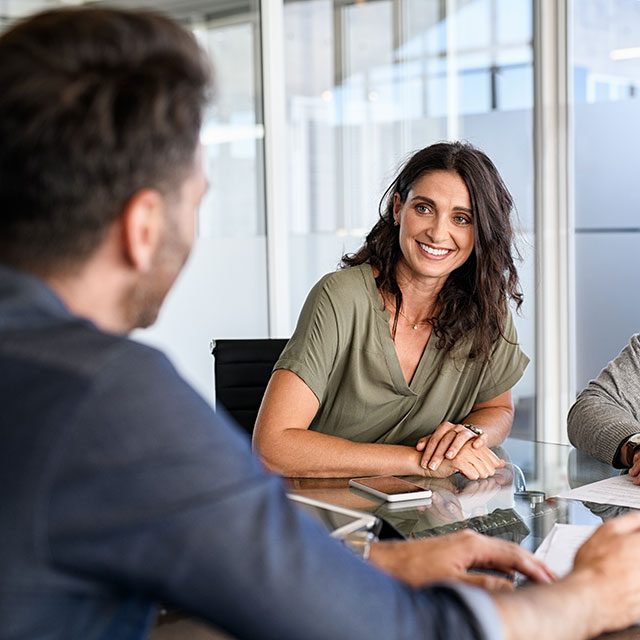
{"points": [[423, 208], [462, 220]]}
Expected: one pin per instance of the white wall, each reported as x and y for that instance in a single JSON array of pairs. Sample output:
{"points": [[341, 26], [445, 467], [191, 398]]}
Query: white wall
{"points": [[220, 294]]}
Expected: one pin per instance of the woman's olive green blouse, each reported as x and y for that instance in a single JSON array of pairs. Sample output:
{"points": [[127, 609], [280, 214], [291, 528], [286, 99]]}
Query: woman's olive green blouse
{"points": [[343, 350]]}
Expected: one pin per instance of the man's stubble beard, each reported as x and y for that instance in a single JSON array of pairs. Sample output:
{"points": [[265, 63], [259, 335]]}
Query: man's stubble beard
{"points": [[144, 300]]}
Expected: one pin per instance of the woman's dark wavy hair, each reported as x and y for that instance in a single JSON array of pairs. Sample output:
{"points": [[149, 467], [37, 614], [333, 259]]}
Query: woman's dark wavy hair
{"points": [[474, 300]]}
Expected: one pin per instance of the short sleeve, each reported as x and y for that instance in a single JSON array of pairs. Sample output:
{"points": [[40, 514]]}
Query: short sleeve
{"points": [[505, 366], [311, 352]]}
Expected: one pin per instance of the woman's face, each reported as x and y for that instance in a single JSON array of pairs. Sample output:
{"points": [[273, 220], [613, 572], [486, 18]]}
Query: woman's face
{"points": [[436, 226]]}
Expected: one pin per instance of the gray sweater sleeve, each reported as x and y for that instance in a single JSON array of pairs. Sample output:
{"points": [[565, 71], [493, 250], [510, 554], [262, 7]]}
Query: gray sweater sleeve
{"points": [[607, 411]]}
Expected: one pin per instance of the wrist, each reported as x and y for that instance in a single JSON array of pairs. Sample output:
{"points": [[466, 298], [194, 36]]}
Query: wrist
{"points": [[414, 468], [570, 599], [384, 556], [627, 451], [581, 586]]}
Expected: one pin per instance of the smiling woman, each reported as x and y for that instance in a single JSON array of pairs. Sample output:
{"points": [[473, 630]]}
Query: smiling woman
{"points": [[436, 228], [403, 362]]}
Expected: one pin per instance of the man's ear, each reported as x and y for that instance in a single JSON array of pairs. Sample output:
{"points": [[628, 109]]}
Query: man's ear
{"points": [[142, 225]]}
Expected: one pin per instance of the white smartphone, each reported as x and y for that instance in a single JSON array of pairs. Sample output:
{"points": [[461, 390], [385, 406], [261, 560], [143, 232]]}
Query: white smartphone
{"points": [[390, 488]]}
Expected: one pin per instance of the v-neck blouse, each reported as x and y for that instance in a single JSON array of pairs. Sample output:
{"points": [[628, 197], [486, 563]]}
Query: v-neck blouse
{"points": [[343, 350]]}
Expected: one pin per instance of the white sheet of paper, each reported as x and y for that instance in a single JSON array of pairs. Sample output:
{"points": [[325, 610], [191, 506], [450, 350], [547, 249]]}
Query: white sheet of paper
{"points": [[560, 546], [618, 490]]}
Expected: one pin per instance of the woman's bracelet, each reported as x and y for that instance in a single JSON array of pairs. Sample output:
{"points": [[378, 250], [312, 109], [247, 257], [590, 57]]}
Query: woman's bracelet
{"points": [[474, 429]]}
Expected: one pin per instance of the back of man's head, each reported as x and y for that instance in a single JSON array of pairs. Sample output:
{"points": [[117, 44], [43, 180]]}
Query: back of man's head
{"points": [[95, 105]]}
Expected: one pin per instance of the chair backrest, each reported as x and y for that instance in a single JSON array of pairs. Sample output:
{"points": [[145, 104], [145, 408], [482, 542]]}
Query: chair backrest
{"points": [[241, 371]]}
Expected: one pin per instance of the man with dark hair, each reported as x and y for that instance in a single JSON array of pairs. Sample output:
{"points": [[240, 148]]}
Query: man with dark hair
{"points": [[119, 486]]}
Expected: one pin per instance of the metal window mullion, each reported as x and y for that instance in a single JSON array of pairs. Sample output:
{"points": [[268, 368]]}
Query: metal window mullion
{"points": [[553, 219], [340, 64], [453, 105], [275, 169]]}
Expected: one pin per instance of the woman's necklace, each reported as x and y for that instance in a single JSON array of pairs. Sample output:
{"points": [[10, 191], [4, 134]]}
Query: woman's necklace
{"points": [[414, 325]]}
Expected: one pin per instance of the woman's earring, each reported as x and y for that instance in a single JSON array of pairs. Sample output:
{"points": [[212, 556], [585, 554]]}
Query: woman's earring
{"points": [[395, 223]]}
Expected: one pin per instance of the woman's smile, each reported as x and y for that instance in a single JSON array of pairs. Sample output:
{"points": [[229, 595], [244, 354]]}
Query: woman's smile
{"points": [[434, 253]]}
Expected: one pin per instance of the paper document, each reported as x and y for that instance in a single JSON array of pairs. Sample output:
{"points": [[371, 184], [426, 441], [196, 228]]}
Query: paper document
{"points": [[560, 546], [618, 490]]}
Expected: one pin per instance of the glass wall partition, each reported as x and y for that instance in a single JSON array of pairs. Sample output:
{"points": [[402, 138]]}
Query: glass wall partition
{"points": [[223, 291], [606, 115], [368, 83]]}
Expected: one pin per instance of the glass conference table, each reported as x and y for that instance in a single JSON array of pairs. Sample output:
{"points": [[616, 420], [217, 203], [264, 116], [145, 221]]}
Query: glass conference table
{"points": [[517, 504]]}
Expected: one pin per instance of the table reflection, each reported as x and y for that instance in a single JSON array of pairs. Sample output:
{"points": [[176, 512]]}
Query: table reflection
{"points": [[516, 504]]}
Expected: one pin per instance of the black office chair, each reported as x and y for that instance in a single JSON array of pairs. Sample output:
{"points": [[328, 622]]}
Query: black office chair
{"points": [[241, 372]]}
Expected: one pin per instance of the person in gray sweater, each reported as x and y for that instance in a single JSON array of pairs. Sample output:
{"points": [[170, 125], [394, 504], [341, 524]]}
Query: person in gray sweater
{"points": [[604, 421]]}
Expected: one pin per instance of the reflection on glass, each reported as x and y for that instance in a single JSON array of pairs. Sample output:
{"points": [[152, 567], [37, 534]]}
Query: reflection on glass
{"points": [[232, 134], [223, 291], [485, 506]]}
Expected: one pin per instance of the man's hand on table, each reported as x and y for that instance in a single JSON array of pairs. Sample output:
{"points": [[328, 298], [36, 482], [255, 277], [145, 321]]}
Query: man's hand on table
{"points": [[418, 562], [601, 594], [607, 560]]}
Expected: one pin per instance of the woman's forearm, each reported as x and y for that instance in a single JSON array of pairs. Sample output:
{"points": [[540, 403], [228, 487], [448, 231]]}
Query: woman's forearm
{"points": [[304, 453], [283, 439]]}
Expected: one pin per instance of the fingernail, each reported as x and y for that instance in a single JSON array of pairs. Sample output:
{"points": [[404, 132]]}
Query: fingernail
{"points": [[449, 455], [424, 465], [433, 466]]}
